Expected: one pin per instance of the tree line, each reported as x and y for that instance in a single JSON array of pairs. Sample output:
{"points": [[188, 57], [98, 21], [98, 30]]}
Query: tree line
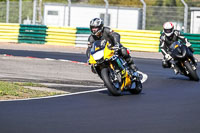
{"points": [[148, 2], [195, 3]]}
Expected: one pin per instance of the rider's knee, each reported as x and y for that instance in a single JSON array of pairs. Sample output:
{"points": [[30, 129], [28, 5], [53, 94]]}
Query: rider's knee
{"points": [[124, 52]]}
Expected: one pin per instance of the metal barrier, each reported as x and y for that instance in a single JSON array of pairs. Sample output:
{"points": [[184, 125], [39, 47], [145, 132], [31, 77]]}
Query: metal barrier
{"points": [[194, 39], [9, 32], [65, 36], [138, 40], [82, 35], [32, 34]]}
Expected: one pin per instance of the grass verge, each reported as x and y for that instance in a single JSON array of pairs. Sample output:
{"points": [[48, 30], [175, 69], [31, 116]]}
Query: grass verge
{"points": [[9, 90]]}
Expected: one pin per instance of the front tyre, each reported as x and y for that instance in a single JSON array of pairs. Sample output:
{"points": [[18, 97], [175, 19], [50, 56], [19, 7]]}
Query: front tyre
{"points": [[108, 78], [192, 73], [88, 52]]}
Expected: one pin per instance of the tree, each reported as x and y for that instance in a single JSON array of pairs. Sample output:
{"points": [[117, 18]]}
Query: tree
{"points": [[169, 3], [159, 3], [117, 2]]}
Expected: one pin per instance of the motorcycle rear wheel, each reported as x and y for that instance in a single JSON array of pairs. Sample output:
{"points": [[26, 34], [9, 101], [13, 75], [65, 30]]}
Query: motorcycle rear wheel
{"points": [[192, 73], [106, 76], [138, 88]]}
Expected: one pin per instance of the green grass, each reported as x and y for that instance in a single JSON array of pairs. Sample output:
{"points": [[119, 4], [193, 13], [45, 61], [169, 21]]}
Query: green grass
{"points": [[29, 84], [9, 90]]}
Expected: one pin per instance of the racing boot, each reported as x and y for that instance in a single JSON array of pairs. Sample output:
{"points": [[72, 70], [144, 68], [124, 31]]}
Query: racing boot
{"points": [[93, 69], [133, 67], [165, 63], [131, 64], [175, 68], [195, 61]]}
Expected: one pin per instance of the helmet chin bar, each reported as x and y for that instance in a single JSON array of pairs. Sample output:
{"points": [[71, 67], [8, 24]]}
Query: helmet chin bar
{"points": [[98, 33], [169, 34]]}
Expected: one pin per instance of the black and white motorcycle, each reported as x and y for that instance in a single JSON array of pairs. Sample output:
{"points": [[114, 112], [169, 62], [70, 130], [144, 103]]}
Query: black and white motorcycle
{"points": [[184, 60]]}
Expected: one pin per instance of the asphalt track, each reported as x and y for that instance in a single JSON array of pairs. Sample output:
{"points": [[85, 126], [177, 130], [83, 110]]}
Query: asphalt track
{"points": [[41, 54], [168, 104]]}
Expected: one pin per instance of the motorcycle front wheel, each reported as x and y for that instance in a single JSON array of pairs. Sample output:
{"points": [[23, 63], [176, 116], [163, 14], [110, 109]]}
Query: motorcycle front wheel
{"points": [[113, 86], [88, 52], [192, 73]]}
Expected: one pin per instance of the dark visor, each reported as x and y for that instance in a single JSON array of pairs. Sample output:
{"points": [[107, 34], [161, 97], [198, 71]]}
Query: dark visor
{"points": [[168, 30]]}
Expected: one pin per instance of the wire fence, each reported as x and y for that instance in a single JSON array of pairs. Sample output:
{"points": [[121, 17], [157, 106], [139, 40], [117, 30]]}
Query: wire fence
{"points": [[154, 18], [9, 12], [3, 12]]}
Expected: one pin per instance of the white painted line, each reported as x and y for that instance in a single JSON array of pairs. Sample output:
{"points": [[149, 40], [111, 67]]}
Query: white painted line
{"points": [[48, 59], [70, 85], [69, 94], [63, 60], [82, 63]]}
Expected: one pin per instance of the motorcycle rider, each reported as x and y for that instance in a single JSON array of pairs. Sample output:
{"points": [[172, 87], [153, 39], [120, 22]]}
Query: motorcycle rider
{"points": [[100, 32], [169, 36]]}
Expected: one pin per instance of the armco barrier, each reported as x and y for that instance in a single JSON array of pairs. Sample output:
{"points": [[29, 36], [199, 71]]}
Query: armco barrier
{"points": [[194, 39], [61, 36], [9, 32], [140, 40], [82, 35], [32, 34], [137, 40]]}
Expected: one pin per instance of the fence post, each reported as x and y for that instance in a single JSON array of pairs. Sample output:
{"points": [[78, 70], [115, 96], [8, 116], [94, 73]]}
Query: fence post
{"points": [[143, 15], [69, 11], [185, 15], [34, 11], [40, 12], [7, 10], [106, 15], [117, 17], [20, 11]]}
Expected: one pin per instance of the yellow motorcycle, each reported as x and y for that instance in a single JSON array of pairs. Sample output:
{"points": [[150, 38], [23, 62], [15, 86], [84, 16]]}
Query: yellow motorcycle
{"points": [[113, 69]]}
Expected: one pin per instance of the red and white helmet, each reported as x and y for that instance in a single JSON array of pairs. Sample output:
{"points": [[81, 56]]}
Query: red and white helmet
{"points": [[168, 28]]}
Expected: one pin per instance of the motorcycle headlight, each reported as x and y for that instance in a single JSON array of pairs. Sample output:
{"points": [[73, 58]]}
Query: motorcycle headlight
{"points": [[98, 55]]}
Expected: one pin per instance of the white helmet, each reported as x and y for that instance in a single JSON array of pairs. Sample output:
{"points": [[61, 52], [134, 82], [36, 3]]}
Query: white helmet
{"points": [[168, 28]]}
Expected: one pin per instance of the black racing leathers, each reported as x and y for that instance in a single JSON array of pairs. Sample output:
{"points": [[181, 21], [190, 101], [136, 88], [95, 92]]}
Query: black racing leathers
{"points": [[166, 42], [114, 39], [107, 34]]}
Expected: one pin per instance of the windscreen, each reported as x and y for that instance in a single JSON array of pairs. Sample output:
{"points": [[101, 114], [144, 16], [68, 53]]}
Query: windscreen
{"points": [[97, 46]]}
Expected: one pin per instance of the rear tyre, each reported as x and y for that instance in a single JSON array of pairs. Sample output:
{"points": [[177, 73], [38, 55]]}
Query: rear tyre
{"points": [[113, 87], [138, 88], [192, 73]]}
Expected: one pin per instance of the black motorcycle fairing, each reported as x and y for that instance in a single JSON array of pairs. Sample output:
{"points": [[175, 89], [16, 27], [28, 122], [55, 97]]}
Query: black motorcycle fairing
{"points": [[97, 46], [180, 51]]}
